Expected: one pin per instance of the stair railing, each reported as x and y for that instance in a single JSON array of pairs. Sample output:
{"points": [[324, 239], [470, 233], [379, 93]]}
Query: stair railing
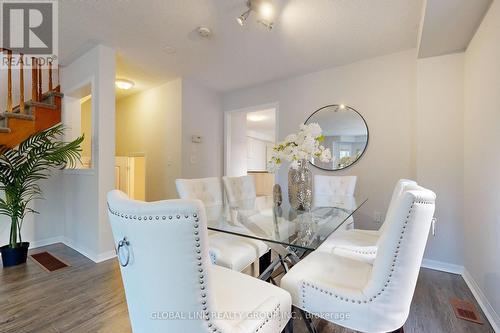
{"points": [[36, 80], [21, 83], [50, 75], [9, 81]]}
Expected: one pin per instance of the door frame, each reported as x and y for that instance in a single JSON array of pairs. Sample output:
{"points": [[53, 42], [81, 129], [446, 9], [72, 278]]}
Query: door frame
{"points": [[76, 92], [142, 154], [227, 128]]}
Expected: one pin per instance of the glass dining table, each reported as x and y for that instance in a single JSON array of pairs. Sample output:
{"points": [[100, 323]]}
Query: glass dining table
{"points": [[288, 232]]}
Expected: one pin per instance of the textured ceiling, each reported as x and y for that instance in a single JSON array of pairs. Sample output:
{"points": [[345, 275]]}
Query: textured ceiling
{"points": [[309, 35]]}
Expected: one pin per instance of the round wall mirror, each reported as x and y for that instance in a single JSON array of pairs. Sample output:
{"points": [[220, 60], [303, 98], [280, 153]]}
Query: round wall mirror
{"points": [[345, 132]]}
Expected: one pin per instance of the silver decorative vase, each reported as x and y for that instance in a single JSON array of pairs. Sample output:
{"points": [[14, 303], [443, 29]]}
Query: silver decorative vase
{"points": [[300, 187]]}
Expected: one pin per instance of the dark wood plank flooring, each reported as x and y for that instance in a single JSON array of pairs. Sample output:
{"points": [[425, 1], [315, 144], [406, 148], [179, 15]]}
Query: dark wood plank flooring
{"points": [[88, 297]]}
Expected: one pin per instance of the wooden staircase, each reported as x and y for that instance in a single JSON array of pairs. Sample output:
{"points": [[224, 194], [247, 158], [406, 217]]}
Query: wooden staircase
{"points": [[42, 111]]}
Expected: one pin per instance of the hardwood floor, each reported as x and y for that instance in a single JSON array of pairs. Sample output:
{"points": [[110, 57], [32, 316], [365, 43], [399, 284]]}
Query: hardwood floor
{"points": [[88, 297]]}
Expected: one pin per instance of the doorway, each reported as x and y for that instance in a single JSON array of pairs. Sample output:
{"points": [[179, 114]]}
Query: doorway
{"points": [[250, 136], [130, 176]]}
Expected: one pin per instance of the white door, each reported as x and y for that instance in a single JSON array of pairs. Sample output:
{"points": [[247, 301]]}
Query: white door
{"points": [[130, 176], [122, 174]]}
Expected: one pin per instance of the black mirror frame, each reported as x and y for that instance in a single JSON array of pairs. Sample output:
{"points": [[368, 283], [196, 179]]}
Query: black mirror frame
{"points": [[367, 135]]}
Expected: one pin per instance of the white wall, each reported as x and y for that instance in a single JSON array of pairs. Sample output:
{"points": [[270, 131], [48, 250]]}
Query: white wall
{"points": [[46, 227], [482, 160], [236, 146], [201, 115], [149, 123], [381, 89], [86, 226], [414, 111], [439, 148]]}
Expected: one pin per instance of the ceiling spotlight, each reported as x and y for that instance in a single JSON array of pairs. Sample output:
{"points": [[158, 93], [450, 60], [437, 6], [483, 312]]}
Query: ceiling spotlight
{"points": [[243, 18], [265, 12], [341, 106], [124, 84]]}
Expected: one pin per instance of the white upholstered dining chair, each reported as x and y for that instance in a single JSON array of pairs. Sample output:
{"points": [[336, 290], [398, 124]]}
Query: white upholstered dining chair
{"points": [[248, 212], [240, 192], [170, 284], [226, 250], [361, 296], [246, 206], [327, 188], [362, 244]]}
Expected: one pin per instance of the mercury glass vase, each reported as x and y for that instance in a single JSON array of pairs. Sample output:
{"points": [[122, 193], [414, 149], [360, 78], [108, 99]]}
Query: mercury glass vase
{"points": [[300, 187]]}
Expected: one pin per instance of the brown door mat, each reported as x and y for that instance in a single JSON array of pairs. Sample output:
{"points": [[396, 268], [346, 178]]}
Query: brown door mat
{"points": [[465, 310], [48, 261]]}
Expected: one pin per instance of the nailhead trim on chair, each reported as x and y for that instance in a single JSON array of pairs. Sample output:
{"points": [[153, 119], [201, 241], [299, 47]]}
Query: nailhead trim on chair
{"points": [[198, 258], [396, 253], [201, 274], [275, 310], [358, 251], [145, 218]]}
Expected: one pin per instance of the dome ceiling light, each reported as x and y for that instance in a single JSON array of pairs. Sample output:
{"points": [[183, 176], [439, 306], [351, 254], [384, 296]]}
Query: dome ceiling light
{"points": [[124, 84], [264, 9]]}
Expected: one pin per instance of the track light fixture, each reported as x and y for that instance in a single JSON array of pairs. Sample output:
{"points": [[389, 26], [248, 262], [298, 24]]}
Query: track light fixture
{"points": [[264, 10], [243, 18]]}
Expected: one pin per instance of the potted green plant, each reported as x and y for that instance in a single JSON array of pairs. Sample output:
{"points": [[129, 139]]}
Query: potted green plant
{"points": [[21, 168]]}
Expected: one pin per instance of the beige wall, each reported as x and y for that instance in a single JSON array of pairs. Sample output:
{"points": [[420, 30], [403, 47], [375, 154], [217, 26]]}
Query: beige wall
{"points": [[150, 123], [86, 127], [482, 159]]}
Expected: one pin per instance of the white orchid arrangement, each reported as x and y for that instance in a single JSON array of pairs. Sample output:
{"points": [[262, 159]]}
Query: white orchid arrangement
{"points": [[301, 146]]}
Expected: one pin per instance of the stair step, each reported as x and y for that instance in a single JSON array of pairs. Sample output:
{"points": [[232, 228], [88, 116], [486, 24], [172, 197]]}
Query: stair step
{"points": [[13, 127], [17, 115], [50, 97], [52, 93], [41, 104]]}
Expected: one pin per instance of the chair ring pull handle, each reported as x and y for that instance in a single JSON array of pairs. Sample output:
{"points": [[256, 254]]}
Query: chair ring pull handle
{"points": [[123, 244]]}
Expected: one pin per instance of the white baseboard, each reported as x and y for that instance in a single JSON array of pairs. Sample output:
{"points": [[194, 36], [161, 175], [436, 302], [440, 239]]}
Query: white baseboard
{"points": [[105, 256], [483, 302], [97, 258], [47, 241], [442, 266], [82, 250], [485, 305]]}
